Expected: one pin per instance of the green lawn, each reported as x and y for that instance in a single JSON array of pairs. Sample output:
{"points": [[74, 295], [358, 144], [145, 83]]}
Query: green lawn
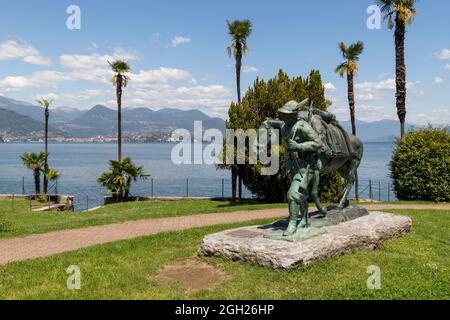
{"points": [[413, 267], [25, 222]]}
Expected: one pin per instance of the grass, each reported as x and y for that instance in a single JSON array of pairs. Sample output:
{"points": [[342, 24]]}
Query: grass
{"points": [[25, 222], [413, 267]]}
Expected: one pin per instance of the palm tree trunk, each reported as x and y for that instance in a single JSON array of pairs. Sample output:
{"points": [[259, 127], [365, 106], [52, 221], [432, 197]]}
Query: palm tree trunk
{"points": [[127, 190], [47, 115], [119, 116], [238, 71], [233, 183], [400, 29], [37, 181], [238, 88], [351, 103], [240, 187]]}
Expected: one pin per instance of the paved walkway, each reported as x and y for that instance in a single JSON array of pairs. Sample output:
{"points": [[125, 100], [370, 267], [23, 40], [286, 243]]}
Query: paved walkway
{"points": [[47, 244]]}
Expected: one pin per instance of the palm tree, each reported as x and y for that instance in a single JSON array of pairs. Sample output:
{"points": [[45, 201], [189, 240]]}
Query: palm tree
{"points": [[133, 173], [403, 13], [118, 180], [52, 175], [35, 162], [120, 81], [239, 30], [350, 68], [46, 104]]}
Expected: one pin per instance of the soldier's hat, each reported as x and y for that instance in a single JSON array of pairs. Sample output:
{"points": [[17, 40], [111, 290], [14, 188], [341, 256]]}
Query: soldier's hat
{"points": [[293, 107]]}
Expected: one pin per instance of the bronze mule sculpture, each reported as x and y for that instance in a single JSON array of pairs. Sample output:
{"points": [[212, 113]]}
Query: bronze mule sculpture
{"points": [[314, 143]]}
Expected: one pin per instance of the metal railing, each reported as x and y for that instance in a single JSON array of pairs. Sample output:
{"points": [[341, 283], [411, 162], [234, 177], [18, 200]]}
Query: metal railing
{"points": [[86, 198], [376, 190]]}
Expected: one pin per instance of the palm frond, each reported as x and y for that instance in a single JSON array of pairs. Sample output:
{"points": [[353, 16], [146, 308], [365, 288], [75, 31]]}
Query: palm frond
{"points": [[355, 50], [45, 102], [114, 80], [52, 174], [34, 160], [239, 30], [404, 9], [343, 48], [245, 47], [342, 69], [119, 66]]}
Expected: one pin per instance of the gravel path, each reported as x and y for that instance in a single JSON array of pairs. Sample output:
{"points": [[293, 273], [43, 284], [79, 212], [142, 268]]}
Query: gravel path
{"points": [[47, 244]]}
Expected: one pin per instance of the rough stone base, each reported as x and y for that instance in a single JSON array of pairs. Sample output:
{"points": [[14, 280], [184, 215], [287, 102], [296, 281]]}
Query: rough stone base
{"points": [[251, 243]]}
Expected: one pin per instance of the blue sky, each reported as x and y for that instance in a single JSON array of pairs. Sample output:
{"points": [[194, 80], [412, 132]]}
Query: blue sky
{"points": [[177, 51]]}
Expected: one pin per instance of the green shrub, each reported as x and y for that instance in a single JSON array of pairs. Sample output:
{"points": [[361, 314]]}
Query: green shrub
{"points": [[331, 188], [43, 199], [420, 165]]}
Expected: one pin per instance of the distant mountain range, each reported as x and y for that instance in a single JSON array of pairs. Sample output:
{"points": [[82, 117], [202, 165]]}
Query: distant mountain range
{"points": [[29, 110], [101, 120], [379, 131], [14, 124], [19, 118]]}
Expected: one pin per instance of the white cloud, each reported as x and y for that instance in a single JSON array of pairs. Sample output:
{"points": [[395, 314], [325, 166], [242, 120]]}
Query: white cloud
{"points": [[438, 80], [367, 97], [95, 60], [41, 79], [51, 96], [179, 40], [84, 95], [447, 66], [94, 67], [92, 47], [388, 84], [437, 116], [123, 54], [365, 112], [418, 92], [11, 50], [249, 69], [329, 86], [160, 75], [371, 91], [444, 54], [385, 75], [155, 88]]}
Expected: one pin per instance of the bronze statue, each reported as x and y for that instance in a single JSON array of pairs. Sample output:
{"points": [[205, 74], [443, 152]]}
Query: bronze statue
{"points": [[314, 143]]}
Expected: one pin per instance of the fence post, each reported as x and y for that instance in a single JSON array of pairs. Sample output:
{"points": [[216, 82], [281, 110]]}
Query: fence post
{"points": [[223, 189], [187, 188], [56, 187], [87, 203], [370, 190], [389, 192], [13, 207], [153, 192], [379, 191], [23, 185], [30, 203]]}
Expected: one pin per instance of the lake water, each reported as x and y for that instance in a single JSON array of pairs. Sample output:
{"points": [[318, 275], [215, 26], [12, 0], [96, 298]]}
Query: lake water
{"points": [[82, 164]]}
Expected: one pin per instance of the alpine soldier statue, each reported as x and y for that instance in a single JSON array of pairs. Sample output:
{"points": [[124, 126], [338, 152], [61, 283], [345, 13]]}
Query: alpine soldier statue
{"points": [[314, 143]]}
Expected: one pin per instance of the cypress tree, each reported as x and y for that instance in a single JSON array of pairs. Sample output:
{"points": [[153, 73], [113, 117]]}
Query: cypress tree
{"points": [[263, 100]]}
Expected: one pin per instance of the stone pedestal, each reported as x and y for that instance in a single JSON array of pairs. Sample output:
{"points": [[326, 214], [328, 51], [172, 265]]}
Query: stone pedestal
{"points": [[328, 237]]}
